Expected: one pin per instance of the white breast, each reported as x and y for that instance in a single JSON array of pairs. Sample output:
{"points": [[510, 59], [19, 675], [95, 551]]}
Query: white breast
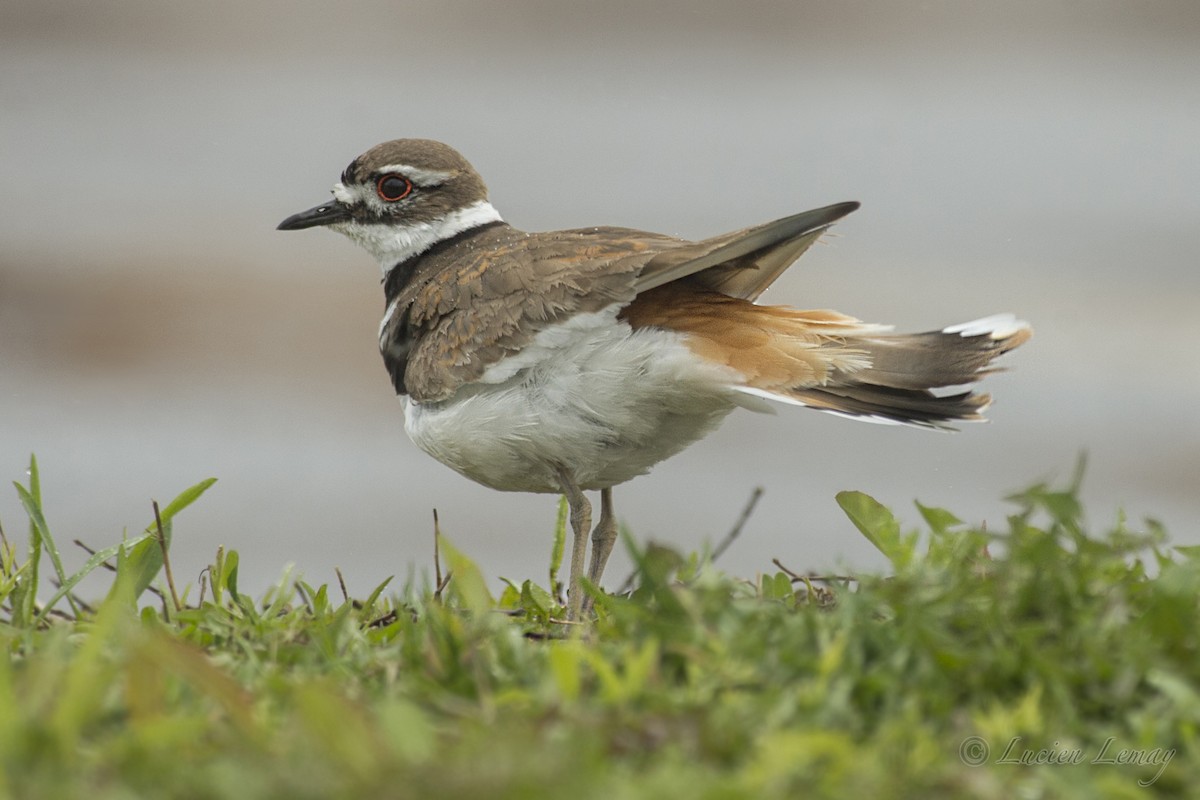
{"points": [[590, 394]]}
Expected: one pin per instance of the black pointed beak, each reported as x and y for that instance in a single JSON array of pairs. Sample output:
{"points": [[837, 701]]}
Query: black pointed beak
{"points": [[324, 214]]}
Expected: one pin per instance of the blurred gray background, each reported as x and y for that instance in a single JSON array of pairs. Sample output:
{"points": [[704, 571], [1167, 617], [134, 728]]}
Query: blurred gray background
{"points": [[155, 329]]}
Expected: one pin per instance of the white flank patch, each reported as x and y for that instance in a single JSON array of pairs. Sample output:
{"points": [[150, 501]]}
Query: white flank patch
{"points": [[391, 244], [590, 393], [997, 326], [547, 344]]}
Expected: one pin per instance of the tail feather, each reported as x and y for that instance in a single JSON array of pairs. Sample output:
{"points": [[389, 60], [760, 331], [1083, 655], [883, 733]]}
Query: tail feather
{"points": [[832, 362], [899, 406], [901, 371], [954, 356]]}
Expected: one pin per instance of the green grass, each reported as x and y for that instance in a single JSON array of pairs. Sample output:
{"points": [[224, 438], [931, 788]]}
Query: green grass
{"points": [[1046, 639]]}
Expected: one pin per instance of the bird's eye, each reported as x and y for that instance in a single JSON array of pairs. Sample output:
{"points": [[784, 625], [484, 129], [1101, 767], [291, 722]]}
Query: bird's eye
{"points": [[393, 187]]}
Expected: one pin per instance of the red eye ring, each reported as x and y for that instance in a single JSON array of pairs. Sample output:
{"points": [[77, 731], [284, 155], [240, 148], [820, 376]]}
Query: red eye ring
{"points": [[393, 187]]}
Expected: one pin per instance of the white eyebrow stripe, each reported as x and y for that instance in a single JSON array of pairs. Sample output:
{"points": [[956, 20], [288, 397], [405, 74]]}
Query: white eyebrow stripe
{"points": [[419, 176]]}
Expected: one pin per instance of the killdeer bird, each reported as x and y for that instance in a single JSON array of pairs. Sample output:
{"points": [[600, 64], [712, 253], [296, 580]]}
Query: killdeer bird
{"points": [[574, 360]]}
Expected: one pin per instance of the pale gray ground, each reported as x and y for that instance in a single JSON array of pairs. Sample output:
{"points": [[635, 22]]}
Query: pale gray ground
{"points": [[155, 329]]}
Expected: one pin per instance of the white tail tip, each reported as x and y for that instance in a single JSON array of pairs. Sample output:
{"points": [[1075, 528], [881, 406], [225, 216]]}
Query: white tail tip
{"points": [[997, 326]]}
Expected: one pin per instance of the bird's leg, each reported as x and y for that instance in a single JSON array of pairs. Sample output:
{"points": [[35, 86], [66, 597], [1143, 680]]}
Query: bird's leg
{"points": [[603, 539], [581, 520]]}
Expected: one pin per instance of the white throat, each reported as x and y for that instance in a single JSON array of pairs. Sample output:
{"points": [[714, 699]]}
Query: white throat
{"points": [[391, 244]]}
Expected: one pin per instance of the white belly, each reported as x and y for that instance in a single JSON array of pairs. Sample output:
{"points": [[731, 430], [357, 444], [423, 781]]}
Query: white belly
{"points": [[606, 402]]}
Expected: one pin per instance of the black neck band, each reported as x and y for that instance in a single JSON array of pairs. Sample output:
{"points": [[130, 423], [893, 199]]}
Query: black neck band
{"points": [[401, 272]]}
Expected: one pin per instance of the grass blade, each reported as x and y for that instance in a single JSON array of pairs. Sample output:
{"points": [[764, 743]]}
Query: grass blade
{"points": [[560, 539], [879, 525], [468, 582], [183, 500], [40, 532], [145, 558], [98, 558]]}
